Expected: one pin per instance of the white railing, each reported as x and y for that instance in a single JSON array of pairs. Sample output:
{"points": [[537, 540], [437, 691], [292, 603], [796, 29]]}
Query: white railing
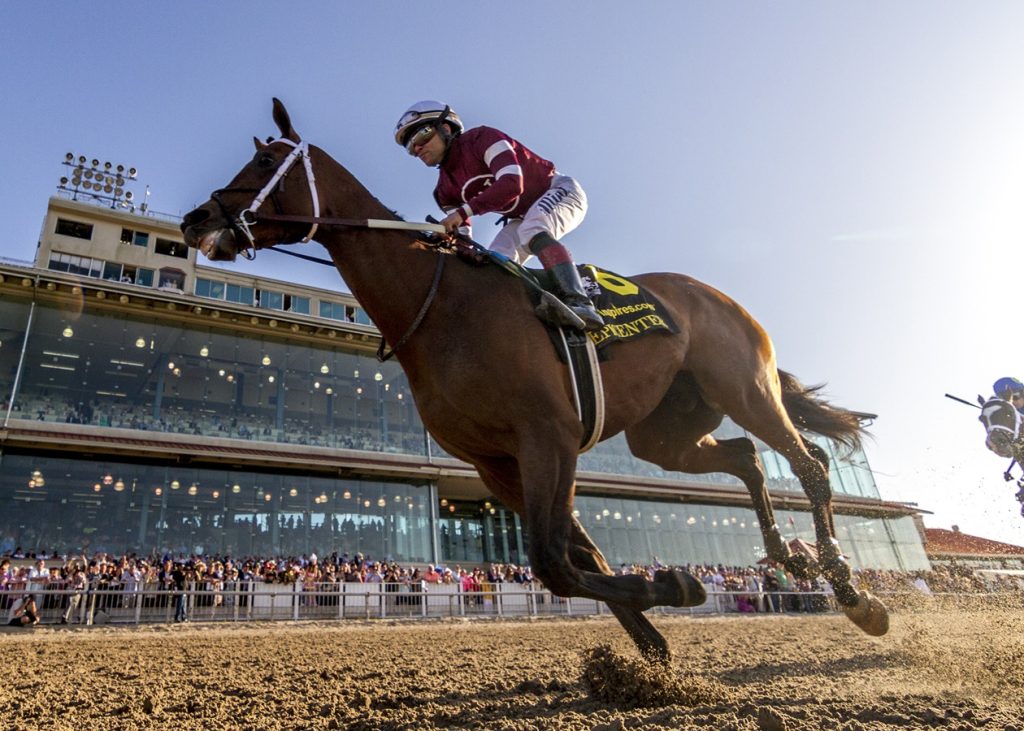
{"points": [[255, 601]]}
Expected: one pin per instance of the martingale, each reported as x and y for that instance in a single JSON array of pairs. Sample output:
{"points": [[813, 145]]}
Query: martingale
{"points": [[629, 311]]}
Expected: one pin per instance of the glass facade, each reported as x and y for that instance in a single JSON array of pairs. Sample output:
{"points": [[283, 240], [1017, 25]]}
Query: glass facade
{"points": [[202, 378], [638, 531], [77, 505]]}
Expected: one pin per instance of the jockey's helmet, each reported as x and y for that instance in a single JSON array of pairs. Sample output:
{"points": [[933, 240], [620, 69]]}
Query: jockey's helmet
{"points": [[1007, 387], [420, 114]]}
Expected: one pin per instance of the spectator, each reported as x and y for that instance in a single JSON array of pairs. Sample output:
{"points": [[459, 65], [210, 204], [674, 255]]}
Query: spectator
{"points": [[25, 613]]}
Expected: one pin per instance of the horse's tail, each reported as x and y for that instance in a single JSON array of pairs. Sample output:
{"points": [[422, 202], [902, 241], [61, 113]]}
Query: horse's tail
{"points": [[809, 412]]}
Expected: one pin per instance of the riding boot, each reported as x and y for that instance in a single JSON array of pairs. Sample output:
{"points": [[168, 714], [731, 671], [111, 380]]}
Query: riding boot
{"points": [[565, 279]]}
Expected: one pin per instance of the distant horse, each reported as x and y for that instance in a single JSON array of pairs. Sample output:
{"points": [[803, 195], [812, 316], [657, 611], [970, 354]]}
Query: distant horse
{"points": [[492, 391], [1002, 424]]}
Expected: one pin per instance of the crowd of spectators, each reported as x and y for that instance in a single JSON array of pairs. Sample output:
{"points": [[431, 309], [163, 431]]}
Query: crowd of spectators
{"points": [[195, 419], [751, 589]]}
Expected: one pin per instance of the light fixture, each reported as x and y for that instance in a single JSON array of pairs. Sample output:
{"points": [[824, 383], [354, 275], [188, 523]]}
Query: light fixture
{"points": [[67, 332], [31, 483], [266, 498], [193, 489], [140, 343], [451, 508], [216, 494], [119, 485], [236, 488], [378, 377], [487, 504], [324, 369], [366, 503], [317, 500], [381, 502], [221, 372], [270, 379], [316, 384], [691, 520], [204, 351], [266, 360], [293, 492], [328, 390], [96, 487], [444, 502], [617, 515], [108, 479], [175, 484], [346, 495], [158, 491]]}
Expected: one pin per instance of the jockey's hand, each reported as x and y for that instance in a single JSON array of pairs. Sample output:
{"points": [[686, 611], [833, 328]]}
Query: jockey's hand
{"points": [[453, 221]]}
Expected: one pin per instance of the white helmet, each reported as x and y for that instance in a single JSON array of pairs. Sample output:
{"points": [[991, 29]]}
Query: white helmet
{"points": [[423, 112]]}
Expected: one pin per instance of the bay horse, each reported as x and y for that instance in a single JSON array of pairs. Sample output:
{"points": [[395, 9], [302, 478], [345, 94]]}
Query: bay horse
{"points": [[492, 392]]}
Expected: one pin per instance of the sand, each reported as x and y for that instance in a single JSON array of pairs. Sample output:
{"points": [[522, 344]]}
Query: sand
{"points": [[937, 668]]}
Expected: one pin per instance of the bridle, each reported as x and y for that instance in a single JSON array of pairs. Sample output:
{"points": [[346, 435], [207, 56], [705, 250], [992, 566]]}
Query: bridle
{"points": [[248, 217]]}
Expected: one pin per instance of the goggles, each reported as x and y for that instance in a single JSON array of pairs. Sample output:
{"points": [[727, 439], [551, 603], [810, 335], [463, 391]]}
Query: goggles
{"points": [[421, 136]]}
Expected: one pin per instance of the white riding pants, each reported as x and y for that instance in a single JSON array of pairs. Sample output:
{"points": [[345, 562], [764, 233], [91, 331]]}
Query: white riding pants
{"points": [[557, 212]]}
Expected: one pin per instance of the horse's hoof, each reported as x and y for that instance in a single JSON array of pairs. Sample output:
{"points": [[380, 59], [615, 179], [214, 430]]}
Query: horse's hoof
{"points": [[688, 590], [869, 614], [802, 566]]}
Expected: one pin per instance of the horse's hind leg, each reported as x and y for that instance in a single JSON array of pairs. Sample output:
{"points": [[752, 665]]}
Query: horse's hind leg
{"points": [[768, 420], [693, 450]]}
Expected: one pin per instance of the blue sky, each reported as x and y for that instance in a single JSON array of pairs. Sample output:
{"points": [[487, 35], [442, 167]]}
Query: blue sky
{"points": [[851, 173]]}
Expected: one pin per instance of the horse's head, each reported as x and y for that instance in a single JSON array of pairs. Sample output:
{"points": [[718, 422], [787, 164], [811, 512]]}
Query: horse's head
{"points": [[226, 224], [1003, 426]]}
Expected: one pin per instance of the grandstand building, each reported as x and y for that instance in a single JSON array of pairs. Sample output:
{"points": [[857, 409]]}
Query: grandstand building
{"points": [[155, 405]]}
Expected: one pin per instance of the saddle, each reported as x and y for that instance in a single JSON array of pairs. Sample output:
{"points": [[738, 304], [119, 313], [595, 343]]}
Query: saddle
{"points": [[629, 311]]}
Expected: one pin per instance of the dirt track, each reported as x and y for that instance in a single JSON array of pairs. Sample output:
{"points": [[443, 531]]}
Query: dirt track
{"points": [[949, 669]]}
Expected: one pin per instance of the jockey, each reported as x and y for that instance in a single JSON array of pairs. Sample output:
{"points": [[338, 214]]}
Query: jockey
{"points": [[1010, 389], [483, 170]]}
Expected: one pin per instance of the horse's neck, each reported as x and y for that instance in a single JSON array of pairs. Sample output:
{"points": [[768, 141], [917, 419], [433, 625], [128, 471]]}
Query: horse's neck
{"points": [[385, 270]]}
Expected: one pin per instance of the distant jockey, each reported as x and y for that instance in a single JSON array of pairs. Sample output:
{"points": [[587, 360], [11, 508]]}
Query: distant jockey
{"points": [[483, 170], [1010, 389], [1003, 424]]}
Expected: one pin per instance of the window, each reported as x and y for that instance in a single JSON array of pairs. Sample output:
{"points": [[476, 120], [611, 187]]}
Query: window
{"points": [[76, 229], [172, 279], [270, 300], [81, 265], [134, 238], [209, 288], [296, 304], [171, 248], [144, 277], [241, 295], [335, 311]]}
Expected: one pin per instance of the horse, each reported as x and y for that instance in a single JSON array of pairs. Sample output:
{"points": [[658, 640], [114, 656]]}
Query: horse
{"points": [[503, 403], [1002, 424]]}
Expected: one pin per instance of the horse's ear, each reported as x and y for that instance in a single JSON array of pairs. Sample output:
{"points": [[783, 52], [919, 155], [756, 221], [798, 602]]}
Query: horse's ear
{"points": [[284, 122], [259, 145]]}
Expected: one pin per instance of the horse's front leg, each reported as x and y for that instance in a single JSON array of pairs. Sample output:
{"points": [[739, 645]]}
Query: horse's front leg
{"points": [[585, 555], [548, 479]]}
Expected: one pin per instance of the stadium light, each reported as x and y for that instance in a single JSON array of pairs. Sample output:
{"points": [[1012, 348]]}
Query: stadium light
{"points": [[101, 182]]}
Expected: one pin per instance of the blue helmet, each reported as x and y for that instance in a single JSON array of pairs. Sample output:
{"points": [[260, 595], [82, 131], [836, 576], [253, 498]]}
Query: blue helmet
{"points": [[1006, 387]]}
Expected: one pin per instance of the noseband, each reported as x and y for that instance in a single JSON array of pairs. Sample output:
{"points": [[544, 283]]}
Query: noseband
{"points": [[247, 218]]}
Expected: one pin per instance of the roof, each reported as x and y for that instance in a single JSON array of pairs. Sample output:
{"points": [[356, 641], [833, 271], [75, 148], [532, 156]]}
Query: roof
{"points": [[943, 542]]}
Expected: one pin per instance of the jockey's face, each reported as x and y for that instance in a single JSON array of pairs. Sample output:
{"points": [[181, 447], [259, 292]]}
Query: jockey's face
{"points": [[1017, 400], [431, 151]]}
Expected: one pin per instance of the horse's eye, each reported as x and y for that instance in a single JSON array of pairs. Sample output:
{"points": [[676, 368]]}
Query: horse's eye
{"points": [[265, 161]]}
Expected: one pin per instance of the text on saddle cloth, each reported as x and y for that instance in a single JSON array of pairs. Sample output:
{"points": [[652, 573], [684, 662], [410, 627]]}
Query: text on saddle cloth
{"points": [[629, 310]]}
